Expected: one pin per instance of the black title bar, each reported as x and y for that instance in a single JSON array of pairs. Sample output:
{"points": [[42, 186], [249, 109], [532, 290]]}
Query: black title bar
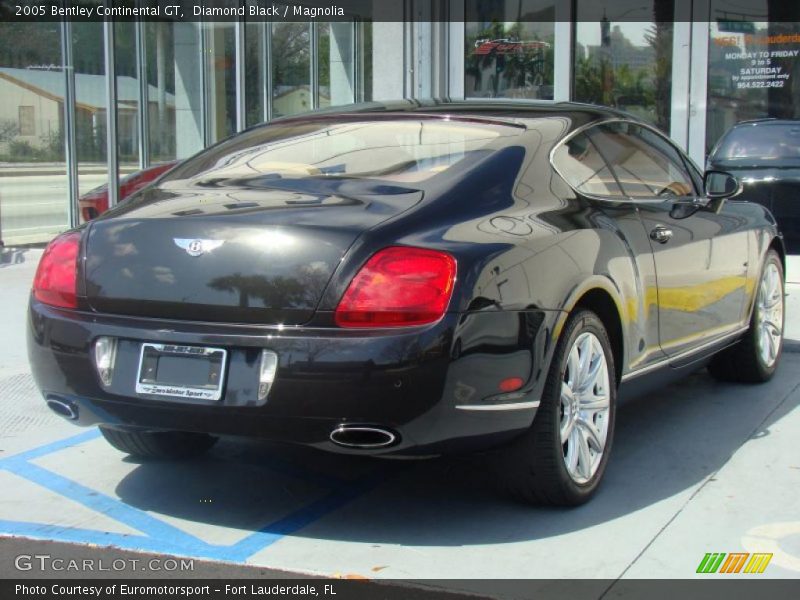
{"points": [[483, 11]]}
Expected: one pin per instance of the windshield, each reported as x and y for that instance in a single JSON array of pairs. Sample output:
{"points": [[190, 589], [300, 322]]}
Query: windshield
{"points": [[762, 141], [406, 150]]}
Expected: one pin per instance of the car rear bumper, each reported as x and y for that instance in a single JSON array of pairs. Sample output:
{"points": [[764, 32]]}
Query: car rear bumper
{"points": [[434, 387]]}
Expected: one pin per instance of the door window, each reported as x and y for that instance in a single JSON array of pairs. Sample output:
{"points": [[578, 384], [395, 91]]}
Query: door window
{"points": [[581, 165], [645, 164]]}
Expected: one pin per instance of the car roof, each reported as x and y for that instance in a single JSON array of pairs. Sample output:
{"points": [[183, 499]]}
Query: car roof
{"points": [[768, 121], [490, 108]]}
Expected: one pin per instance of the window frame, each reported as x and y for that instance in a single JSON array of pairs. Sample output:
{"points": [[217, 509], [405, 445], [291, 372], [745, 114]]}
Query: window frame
{"points": [[687, 163]]}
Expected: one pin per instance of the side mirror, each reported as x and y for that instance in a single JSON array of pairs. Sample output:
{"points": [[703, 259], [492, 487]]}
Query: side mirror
{"points": [[719, 184]]}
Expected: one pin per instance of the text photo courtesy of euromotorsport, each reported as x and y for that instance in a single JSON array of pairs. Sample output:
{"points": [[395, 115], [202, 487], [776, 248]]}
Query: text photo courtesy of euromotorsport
{"points": [[187, 591], [177, 11]]}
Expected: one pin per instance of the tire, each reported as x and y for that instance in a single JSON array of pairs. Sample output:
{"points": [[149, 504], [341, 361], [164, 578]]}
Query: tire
{"points": [[159, 444], [534, 468], [747, 361]]}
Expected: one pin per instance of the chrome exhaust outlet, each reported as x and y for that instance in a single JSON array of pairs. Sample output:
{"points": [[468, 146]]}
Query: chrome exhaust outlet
{"points": [[363, 437], [63, 408]]}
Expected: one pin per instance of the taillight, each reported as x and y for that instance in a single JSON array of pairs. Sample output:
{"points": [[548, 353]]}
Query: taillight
{"points": [[399, 286], [57, 275]]}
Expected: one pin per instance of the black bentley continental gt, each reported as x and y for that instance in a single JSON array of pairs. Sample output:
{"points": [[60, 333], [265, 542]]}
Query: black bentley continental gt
{"points": [[410, 279]]}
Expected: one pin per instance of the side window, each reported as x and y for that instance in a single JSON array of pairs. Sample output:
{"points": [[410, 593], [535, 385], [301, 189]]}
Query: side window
{"points": [[645, 164], [579, 162]]}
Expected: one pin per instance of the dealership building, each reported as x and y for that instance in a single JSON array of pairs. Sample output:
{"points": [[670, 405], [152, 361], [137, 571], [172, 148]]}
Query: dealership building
{"points": [[84, 103]]}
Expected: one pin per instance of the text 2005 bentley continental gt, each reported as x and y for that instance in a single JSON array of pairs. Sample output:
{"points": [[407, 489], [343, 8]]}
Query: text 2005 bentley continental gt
{"points": [[410, 279]]}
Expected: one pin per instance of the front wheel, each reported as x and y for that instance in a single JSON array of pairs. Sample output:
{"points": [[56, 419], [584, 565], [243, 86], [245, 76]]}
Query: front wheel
{"points": [[755, 358], [561, 459]]}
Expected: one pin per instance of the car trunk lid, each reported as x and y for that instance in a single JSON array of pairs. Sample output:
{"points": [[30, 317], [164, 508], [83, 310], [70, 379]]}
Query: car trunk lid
{"points": [[246, 253]]}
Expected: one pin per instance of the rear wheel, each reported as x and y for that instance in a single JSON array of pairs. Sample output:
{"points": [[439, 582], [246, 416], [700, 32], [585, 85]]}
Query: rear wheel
{"points": [[561, 459], [755, 358], [159, 444]]}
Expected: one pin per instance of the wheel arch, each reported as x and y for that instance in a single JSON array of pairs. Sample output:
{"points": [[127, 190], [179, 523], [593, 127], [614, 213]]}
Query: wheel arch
{"points": [[778, 245], [599, 296]]}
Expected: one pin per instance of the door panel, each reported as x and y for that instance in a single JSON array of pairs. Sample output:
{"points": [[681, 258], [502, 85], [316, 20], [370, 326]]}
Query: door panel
{"points": [[701, 272], [700, 256]]}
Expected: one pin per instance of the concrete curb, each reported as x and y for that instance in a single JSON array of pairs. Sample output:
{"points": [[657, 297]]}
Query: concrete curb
{"points": [[791, 346]]}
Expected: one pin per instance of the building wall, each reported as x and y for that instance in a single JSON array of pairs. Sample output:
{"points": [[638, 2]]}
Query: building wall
{"points": [[47, 115]]}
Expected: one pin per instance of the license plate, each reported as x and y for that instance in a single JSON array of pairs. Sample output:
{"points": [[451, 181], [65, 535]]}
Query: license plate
{"points": [[190, 372]]}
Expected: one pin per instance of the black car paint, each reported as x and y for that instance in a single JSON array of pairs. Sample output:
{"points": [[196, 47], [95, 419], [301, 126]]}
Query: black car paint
{"points": [[771, 182], [528, 249]]}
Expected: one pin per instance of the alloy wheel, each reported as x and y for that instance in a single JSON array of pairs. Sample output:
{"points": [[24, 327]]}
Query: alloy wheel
{"points": [[769, 315], [585, 403]]}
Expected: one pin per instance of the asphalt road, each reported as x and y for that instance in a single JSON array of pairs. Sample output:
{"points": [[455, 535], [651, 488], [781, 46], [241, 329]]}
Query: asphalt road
{"points": [[698, 467], [33, 200], [33, 208]]}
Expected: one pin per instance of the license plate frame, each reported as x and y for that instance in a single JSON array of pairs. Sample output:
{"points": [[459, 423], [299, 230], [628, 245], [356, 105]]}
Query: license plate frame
{"points": [[150, 386]]}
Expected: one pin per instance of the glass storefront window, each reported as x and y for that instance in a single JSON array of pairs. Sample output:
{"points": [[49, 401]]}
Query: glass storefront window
{"points": [[291, 54], [220, 69], [753, 69], [324, 65], [255, 55], [624, 62], [336, 63], [175, 93], [90, 104], [127, 97], [34, 196], [512, 58]]}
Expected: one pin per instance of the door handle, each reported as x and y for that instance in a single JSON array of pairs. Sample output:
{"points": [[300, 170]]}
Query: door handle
{"points": [[661, 234]]}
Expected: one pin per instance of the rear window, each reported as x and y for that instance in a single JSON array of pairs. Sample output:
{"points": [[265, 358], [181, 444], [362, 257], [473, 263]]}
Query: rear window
{"points": [[403, 150], [763, 141]]}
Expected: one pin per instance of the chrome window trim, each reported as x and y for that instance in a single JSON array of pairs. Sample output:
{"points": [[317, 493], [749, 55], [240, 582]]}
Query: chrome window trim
{"points": [[624, 198]]}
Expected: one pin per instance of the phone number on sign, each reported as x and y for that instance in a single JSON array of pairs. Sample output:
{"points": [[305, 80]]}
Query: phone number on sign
{"points": [[760, 84]]}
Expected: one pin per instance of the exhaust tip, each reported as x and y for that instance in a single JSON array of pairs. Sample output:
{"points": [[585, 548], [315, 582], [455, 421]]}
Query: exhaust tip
{"points": [[63, 408], [363, 437]]}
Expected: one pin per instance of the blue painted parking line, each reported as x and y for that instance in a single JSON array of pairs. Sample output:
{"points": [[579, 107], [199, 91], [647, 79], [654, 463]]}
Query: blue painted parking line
{"points": [[97, 502], [157, 535], [52, 447]]}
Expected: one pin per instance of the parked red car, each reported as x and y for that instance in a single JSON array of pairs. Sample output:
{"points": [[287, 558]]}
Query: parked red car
{"points": [[95, 202]]}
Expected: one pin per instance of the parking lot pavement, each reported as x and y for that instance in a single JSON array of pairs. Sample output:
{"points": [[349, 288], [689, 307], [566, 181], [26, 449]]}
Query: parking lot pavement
{"points": [[698, 467]]}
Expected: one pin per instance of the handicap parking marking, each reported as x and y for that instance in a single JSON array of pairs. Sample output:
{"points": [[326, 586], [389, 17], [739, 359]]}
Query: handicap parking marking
{"points": [[50, 448], [158, 535]]}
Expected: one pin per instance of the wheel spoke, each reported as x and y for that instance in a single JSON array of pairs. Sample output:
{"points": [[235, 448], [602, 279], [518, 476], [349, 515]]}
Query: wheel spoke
{"points": [[772, 300], [771, 326], [772, 348], [572, 452], [584, 456], [592, 435], [573, 367], [591, 375], [594, 402], [585, 349], [764, 345], [567, 428]]}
